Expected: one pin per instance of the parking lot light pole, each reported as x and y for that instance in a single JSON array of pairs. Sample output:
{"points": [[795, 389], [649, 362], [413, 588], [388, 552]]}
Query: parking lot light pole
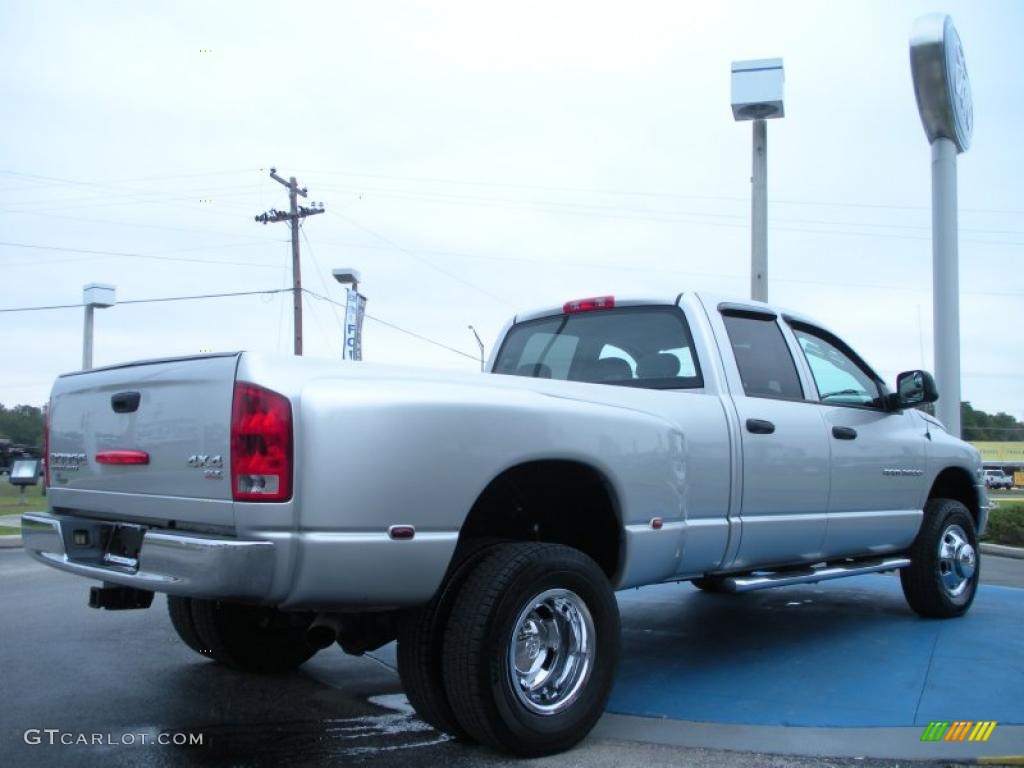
{"points": [[94, 295], [757, 96]]}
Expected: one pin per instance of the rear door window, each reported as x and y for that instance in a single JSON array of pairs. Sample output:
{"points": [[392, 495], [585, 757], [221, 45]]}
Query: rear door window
{"points": [[649, 347], [762, 356]]}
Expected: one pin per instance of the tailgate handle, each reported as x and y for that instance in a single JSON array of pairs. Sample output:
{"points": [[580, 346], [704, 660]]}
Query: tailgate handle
{"points": [[125, 402]]}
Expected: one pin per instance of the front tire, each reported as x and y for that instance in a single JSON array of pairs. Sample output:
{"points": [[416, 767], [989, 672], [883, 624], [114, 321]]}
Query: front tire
{"points": [[942, 578], [252, 638], [531, 648]]}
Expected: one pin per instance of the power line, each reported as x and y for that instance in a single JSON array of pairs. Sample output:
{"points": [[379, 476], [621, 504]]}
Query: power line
{"points": [[154, 300], [670, 195], [157, 257], [121, 223], [144, 196], [427, 263], [668, 216], [148, 196], [619, 268], [323, 283], [60, 180], [474, 358]]}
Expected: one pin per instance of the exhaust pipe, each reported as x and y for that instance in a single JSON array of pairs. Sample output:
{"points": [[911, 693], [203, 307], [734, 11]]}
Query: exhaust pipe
{"points": [[324, 630]]}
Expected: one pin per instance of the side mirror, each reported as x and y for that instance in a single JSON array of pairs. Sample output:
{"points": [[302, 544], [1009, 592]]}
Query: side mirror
{"points": [[915, 388]]}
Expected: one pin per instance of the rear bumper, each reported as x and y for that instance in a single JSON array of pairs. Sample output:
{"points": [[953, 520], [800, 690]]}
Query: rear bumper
{"points": [[308, 570], [184, 564]]}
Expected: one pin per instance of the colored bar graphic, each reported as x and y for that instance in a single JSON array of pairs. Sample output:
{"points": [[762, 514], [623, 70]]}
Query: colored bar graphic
{"points": [[982, 731], [958, 730], [935, 731]]}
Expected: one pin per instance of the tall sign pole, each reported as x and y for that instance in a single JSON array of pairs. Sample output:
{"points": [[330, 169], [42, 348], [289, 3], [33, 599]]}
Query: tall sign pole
{"points": [[943, 93], [757, 96], [759, 214]]}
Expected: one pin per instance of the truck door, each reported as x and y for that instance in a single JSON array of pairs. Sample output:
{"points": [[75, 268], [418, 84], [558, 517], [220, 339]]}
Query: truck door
{"points": [[785, 451], [878, 456]]}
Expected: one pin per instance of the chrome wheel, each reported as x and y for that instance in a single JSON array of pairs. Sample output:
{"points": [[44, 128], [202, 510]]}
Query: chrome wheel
{"points": [[957, 561], [551, 652]]}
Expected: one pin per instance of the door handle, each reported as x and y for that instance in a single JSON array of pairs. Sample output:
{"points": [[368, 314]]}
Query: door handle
{"points": [[844, 433], [760, 427]]}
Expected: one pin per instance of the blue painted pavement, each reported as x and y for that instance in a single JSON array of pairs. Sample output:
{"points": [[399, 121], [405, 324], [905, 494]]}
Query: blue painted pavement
{"points": [[847, 653]]}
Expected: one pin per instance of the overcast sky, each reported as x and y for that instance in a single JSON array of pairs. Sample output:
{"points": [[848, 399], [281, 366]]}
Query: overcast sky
{"points": [[479, 158]]}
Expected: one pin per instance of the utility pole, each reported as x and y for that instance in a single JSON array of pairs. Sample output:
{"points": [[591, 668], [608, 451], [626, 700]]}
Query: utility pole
{"points": [[293, 215]]}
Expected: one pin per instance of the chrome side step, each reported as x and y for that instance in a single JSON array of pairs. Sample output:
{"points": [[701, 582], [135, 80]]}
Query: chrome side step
{"points": [[748, 583]]}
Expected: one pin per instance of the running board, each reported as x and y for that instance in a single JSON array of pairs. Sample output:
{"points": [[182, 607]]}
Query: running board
{"points": [[811, 575]]}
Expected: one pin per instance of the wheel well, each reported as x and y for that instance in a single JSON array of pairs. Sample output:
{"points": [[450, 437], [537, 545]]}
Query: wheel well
{"points": [[956, 483], [565, 502]]}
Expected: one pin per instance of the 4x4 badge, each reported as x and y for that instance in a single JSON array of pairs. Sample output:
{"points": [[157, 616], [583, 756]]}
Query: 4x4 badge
{"points": [[202, 461], [211, 465]]}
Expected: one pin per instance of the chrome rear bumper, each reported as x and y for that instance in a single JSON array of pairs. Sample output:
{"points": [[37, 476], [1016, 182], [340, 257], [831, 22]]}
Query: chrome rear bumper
{"points": [[177, 563]]}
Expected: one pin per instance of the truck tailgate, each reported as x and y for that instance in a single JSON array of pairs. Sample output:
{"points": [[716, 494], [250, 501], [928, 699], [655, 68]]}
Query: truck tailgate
{"points": [[175, 412]]}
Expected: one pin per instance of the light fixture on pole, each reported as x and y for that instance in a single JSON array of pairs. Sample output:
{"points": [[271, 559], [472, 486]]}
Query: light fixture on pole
{"points": [[355, 310], [943, 94], [94, 295], [479, 343], [757, 96]]}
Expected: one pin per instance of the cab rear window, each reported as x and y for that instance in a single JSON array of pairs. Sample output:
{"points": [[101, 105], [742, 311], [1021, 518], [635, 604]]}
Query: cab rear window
{"points": [[648, 347]]}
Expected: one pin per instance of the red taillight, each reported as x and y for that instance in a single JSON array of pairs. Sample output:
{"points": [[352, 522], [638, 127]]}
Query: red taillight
{"points": [[261, 445], [122, 457], [586, 305], [46, 445]]}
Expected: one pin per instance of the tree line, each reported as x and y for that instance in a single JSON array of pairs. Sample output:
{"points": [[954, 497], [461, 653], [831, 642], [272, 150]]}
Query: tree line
{"points": [[980, 426], [23, 425]]}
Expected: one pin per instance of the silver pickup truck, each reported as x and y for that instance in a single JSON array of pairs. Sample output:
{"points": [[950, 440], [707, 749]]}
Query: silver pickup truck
{"points": [[485, 521]]}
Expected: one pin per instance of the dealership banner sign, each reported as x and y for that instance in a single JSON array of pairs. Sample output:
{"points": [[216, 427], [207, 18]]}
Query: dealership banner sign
{"points": [[1001, 453], [354, 312]]}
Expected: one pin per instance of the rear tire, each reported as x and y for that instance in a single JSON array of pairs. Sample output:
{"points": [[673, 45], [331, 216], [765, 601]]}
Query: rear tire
{"points": [[531, 648], [942, 579], [252, 638], [180, 611], [421, 648]]}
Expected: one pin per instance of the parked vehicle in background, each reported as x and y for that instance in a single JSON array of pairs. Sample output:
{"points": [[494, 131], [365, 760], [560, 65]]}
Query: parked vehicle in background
{"points": [[485, 521], [996, 479]]}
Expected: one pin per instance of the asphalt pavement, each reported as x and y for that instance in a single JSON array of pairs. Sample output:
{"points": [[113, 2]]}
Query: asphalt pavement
{"points": [[116, 677]]}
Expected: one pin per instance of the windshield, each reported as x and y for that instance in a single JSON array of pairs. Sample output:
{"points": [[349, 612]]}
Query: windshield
{"points": [[648, 347]]}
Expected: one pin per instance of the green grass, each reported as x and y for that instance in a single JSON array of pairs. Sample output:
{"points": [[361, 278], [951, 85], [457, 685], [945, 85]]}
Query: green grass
{"points": [[1006, 524], [9, 497]]}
